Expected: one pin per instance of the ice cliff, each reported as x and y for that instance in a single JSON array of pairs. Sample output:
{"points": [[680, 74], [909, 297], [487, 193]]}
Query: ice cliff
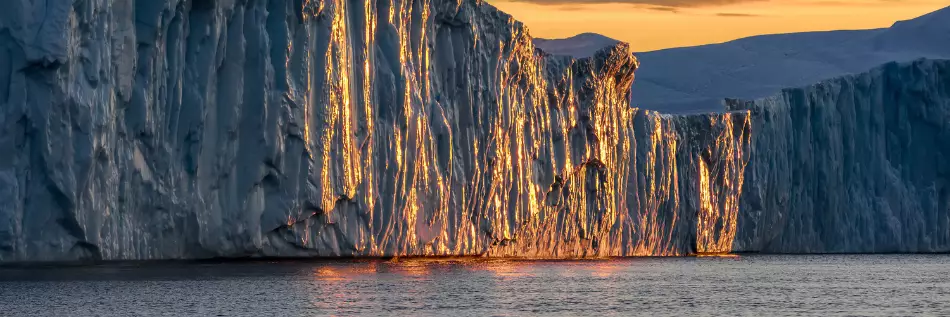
{"points": [[199, 128], [854, 164], [233, 128]]}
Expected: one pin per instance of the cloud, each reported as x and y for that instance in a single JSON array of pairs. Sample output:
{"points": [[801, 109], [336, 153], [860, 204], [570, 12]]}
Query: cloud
{"points": [[574, 7], [673, 5], [664, 9], [656, 3], [737, 15]]}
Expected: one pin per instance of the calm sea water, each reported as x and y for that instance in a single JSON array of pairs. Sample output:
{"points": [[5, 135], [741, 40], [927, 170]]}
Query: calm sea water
{"points": [[747, 285]]}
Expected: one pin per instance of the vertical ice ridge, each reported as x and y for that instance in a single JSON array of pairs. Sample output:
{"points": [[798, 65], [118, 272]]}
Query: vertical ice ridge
{"points": [[198, 128], [853, 164], [720, 185]]}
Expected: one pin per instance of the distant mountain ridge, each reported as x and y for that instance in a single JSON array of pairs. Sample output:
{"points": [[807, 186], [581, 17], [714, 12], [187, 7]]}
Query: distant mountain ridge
{"points": [[697, 79], [578, 46]]}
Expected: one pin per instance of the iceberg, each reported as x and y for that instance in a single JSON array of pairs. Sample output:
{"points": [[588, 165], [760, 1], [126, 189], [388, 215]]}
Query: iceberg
{"points": [[856, 164], [183, 129], [194, 129]]}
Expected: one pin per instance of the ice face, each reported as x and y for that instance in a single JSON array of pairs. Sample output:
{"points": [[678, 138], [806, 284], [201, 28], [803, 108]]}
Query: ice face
{"points": [[191, 129], [854, 164], [184, 129]]}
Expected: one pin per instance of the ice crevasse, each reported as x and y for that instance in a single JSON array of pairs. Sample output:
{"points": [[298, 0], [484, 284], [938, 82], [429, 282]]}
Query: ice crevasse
{"points": [[232, 128]]}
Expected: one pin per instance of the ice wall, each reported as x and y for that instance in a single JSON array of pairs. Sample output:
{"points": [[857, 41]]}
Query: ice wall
{"points": [[854, 164], [202, 128]]}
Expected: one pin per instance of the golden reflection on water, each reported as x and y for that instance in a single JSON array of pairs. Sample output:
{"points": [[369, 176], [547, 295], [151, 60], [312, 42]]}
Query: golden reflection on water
{"points": [[412, 268], [503, 269], [332, 286], [328, 274], [718, 255], [346, 286], [333, 271], [605, 269]]}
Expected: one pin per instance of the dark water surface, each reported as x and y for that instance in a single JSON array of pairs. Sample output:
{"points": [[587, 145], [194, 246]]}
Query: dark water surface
{"points": [[747, 285]]}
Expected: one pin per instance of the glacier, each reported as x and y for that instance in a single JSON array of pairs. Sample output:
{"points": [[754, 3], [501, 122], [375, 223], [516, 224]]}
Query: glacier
{"points": [[856, 164], [182, 129], [193, 129]]}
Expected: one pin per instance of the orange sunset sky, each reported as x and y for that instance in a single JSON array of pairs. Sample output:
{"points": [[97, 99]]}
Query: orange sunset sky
{"points": [[657, 24]]}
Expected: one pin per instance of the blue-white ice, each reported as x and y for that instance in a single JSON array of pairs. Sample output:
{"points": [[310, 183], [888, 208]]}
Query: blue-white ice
{"points": [[195, 128], [853, 164]]}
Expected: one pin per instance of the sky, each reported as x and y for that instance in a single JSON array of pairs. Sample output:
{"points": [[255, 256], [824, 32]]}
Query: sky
{"points": [[657, 24]]}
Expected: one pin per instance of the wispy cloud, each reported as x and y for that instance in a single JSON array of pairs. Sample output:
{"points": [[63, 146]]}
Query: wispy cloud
{"points": [[664, 9], [737, 15], [656, 3]]}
